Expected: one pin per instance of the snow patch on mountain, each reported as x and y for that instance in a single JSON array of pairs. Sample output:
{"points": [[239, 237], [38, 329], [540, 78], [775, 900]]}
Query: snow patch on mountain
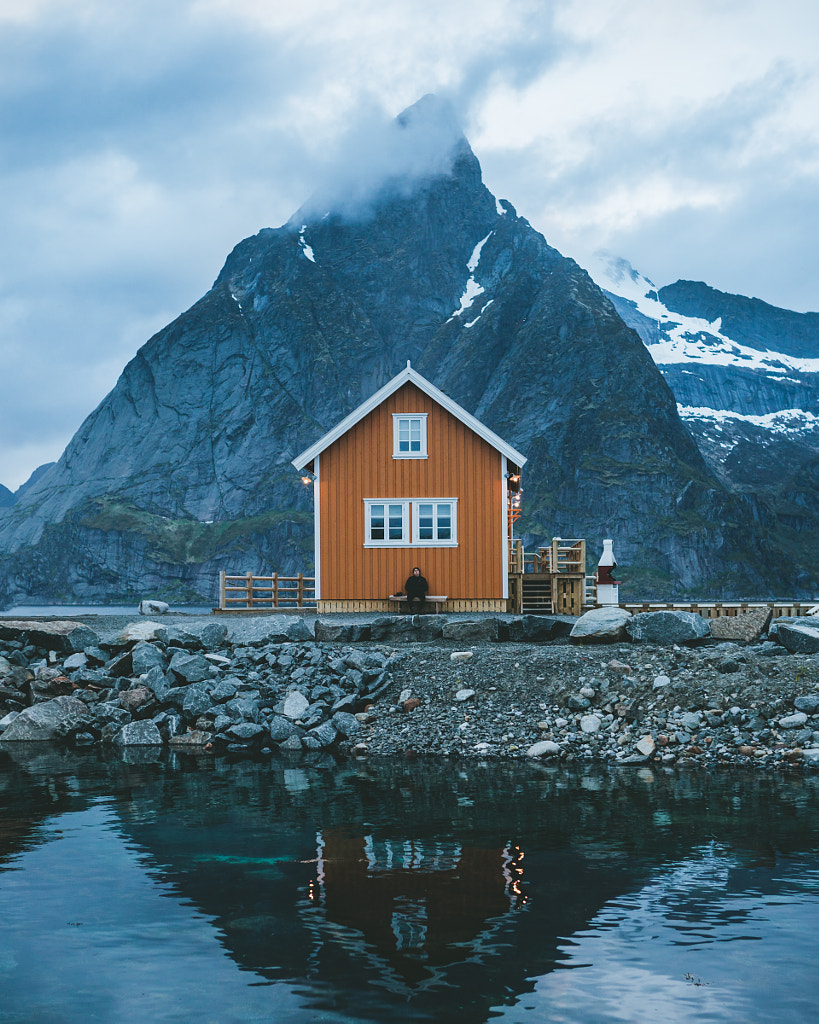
{"points": [[686, 339], [472, 289], [786, 421]]}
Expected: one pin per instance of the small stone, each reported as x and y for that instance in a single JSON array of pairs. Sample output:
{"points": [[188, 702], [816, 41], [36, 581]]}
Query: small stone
{"points": [[462, 695], [460, 656], [411, 704], [645, 746], [590, 724], [543, 748], [659, 682], [795, 721]]}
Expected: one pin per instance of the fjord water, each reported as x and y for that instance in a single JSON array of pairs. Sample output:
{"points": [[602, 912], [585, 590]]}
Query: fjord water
{"points": [[311, 890]]}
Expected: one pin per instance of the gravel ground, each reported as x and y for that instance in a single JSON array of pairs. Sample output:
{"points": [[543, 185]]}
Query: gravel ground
{"points": [[719, 703]]}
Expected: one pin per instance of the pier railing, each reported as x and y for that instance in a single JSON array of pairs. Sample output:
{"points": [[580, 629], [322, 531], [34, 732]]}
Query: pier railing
{"points": [[248, 592]]}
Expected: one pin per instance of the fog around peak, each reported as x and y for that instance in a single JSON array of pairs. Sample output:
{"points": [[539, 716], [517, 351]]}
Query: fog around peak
{"points": [[380, 154]]}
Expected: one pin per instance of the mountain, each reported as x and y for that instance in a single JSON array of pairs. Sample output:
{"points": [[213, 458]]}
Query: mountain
{"points": [[184, 468], [8, 498], [746, 378]]}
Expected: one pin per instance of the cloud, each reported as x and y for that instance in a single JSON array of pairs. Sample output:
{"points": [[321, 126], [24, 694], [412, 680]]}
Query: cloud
{"points": [[142, 141]]}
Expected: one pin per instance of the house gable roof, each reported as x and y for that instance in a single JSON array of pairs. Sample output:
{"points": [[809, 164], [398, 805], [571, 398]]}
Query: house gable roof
{"points": [[409, 376]]}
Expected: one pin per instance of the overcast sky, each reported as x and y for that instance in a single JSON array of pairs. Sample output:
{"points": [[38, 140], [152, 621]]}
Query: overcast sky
{"points": [[140, 141]]}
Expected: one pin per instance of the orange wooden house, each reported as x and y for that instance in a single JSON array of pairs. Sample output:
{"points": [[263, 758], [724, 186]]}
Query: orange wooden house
{"points": [[410, 478]]}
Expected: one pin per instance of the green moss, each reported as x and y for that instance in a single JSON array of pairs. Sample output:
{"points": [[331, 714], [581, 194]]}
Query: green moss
{"points": [[183, 541]]}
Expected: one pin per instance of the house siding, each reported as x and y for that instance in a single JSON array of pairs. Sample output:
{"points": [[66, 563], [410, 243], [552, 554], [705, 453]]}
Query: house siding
{"points": [[460, 465]]}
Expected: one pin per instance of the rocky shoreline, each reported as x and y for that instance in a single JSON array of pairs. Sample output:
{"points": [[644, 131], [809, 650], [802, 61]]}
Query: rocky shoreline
{"points": [[490, 687]]}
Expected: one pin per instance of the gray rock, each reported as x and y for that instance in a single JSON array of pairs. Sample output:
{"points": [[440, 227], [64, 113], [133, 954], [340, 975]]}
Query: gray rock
{"points": [[192, 668], [326, 734], [145, 656], [348, 725], [138, 734], [809, 703], [690, 721], [79, 660], [243, 707], [528, 628], [464, 694], [590, 724], [51, 720], [281, 728], [660, 681], [811, 756], [291, 743], [213, 635], [668, 627], [149, 607], [174, 636], [601, 626], [156, 680], [795, 721], [223, 690], [747, 627], [475, 629], [63, 636], [799, 639], [197, 700], [417, 628], [543, 748], [342, 632], [295, 705], [245, 732]]}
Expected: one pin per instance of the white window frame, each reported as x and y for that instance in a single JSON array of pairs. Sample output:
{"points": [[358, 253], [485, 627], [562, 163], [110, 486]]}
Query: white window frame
{"points": [[410, 523], [405, 417], [435, 542], [405, 523]]}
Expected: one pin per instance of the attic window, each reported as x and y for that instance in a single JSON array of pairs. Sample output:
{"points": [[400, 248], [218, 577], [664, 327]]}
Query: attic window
{"points": [[409, 436]]}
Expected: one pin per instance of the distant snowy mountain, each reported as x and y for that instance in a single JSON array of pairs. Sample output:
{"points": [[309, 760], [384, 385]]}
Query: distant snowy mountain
{"points": [[745, 375]]}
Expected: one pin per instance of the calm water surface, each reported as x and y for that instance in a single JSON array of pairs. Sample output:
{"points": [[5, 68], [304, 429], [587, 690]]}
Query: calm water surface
{"points": [[179, 890]]}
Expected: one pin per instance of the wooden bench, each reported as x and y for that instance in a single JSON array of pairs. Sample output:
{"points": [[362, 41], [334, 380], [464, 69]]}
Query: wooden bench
{"points": [[433, 599]]}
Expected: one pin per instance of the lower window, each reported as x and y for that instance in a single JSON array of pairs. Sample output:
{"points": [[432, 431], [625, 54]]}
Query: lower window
{"points": [[402, 522]]}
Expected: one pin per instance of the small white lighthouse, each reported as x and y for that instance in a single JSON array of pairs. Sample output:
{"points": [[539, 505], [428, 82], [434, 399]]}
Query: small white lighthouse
{"points": [[607, 586]]}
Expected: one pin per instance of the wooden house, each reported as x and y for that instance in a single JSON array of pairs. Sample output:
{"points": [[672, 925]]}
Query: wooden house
{"points": [[410, 478]]}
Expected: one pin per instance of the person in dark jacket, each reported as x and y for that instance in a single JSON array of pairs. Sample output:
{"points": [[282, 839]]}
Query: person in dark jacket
{"points": [[416, 589]]}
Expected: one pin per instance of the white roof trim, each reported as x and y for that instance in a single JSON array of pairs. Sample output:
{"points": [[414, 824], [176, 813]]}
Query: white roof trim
{"points": [[408, 375]]}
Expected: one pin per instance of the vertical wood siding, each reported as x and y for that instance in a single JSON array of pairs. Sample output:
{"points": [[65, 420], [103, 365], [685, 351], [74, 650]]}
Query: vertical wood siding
{"points": [[460, 465]]}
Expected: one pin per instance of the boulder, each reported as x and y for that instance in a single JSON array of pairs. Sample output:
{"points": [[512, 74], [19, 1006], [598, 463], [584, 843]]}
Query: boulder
{"points": [[668, 627], [174, 636], [487, 628], [543, 748], [809, 703], [52, 720], [348, 725], [213, 635], [153, 608], [49, 683], [747, 627], [136, 631], [338, 632], [145, 656], [531, 628], [406, 627], [138, 734], [281, 729], [192, 668], [601, 626], [194, 738], [799, 639], [64, 636]]}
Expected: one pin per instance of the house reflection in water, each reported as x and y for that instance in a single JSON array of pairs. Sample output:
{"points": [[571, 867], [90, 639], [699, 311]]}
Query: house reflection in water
{"points": [[415, 905]]}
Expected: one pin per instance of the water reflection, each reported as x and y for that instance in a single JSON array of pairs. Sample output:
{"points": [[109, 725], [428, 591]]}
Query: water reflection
{"points": [[320, 891]]}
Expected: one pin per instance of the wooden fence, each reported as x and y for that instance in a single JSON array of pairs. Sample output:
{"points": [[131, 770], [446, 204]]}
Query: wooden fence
{"points": [[248, 592]]}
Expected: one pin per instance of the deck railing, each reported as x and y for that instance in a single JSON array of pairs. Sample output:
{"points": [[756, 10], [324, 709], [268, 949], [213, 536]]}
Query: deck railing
{"points": [[246, 592]]}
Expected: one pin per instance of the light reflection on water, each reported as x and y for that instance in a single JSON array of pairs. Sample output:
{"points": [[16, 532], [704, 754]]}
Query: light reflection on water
{"points": [[311, 891]]}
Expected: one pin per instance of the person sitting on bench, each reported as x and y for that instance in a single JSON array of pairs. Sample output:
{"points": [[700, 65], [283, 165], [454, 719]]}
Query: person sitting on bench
{"points": [[416, 589]]}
